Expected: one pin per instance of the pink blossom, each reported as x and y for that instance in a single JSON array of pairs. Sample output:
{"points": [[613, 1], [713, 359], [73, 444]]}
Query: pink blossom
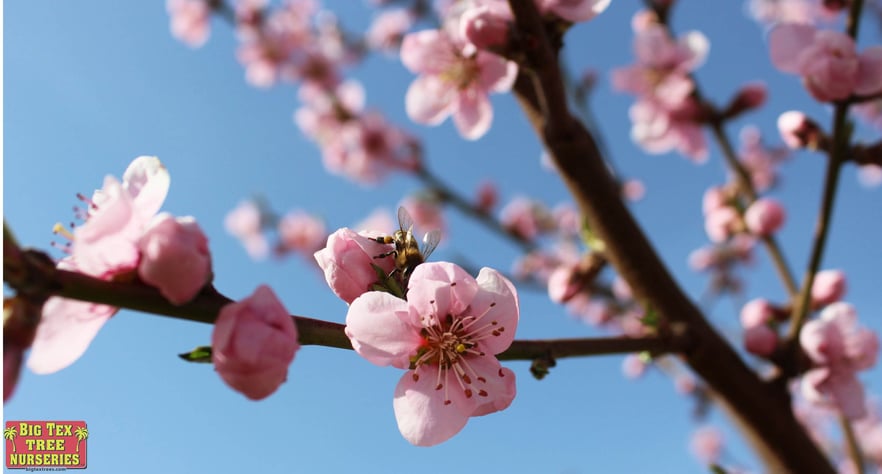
{"points": [[301, 232], [105, 246], [798, 131], [388, 29], [659, 128], [721, 223], [246, 222], [870, 175], [633, 189], [784, 11], [870, 112], [839, 348], [347, 261], [486, 24], [663, 64], [764, 217], [633, 366], [324, 112], [707, 444], [827, 60], [868, 431], [453, 81], [66, 329], [367, 148], [760, 340], [526, 217], [445, 335], [253, 343], [563, 284], [828, 287], [175, 257], [118, 213], [269, 54], [757, 312], [190, 20], [574, 10], [760, 161]]}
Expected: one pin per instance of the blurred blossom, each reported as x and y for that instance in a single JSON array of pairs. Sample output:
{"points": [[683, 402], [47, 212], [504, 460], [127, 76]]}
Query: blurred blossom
{"points": [[190, 20], [526, 217], [633, 366], [870, 175], [828, 287], [451, 82], [707, 444], [839, 348], [827, 60], [426, 212], [246, 222], [760, 161], [301, 232], [388, 29], [764, 217]]}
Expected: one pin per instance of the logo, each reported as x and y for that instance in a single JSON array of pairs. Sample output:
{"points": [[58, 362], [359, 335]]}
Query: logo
{"points": [[46, 444]]}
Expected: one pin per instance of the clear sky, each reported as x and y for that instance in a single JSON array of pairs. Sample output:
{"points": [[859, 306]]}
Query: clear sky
{"points": [[91, 85]]}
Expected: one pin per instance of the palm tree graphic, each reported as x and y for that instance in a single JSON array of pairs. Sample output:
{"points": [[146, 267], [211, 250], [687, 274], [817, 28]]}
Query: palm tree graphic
{"points": [[9, 433], [82, 433]]}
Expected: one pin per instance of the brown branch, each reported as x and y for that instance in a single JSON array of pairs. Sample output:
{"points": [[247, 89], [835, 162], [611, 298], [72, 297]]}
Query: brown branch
{"points": [[764, 410], [33, 272]]}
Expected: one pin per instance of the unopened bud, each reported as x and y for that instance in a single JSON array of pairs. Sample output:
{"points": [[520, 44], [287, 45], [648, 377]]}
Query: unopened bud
{"points": [[799, 131], [750, 96], [484, 27]]}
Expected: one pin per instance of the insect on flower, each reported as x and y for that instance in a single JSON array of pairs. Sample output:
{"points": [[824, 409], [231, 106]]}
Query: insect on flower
{"points": [[407, 252]]}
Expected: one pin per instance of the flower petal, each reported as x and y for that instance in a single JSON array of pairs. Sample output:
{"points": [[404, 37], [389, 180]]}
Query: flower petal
{"points": [[424, 418], [427, 52], [147, 182], [429, 100], [66, 329], [380, 330], [497, 301], [786, 42], [473, 115], [440, 288], [870, 76], [495, 387]]}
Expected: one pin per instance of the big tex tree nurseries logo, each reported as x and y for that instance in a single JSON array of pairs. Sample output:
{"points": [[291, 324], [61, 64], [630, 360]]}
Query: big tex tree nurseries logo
{"points": [[46, 444]]}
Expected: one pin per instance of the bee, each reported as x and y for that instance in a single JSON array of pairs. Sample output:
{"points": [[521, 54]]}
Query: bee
{"points": [[407, 252]]}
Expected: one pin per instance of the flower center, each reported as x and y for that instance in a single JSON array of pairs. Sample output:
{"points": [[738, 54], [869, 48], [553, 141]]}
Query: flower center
{"points": [[462, 73], [449, 343]]}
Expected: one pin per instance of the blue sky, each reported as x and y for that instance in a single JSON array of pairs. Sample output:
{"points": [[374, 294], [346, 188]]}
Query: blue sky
{"points": [[91, 85]]}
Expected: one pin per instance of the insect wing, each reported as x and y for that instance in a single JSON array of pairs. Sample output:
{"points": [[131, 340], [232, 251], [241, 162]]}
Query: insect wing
{"points": [[430, 241], [405, 222]]}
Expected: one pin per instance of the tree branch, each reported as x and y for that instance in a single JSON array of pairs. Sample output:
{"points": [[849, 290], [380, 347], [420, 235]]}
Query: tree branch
{"points": [[764, 410]]}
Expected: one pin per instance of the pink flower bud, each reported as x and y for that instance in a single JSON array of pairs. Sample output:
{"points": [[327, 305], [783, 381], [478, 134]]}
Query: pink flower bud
{"points": [[347, 262], [756, 312], [485, 27], [760, 340], [828, 287], [798, 131], [707, 444], [750, 96], [764, 217], [253, 343], [487, 197], [633, 366], [563, 284], [175, 257]]}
